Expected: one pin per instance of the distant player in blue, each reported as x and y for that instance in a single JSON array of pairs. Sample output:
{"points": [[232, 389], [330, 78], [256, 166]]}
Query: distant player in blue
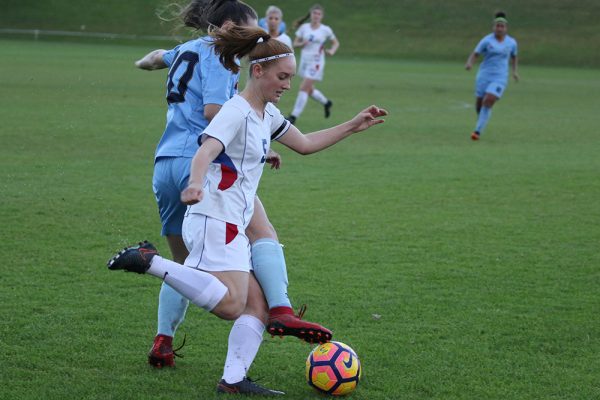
{"points": [[265, 25], [498, 49]]}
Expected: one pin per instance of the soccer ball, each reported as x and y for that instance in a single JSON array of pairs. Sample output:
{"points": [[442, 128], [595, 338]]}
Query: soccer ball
{"points": [[333, 368]]}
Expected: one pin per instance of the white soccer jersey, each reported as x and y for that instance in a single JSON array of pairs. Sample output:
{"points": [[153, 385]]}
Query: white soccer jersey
{"points": [[285, 39], [312, 61], [232, 178]]}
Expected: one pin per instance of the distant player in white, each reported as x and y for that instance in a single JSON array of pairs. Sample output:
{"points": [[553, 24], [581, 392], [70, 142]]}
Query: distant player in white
{"points": [[312, 37], [274, 19], [224, 177]]}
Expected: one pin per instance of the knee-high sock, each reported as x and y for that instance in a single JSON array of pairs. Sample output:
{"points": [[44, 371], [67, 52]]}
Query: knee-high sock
{"points": [[244, 340], [268, 263], [318, 96], [484, 116], [201, 288], [300, 103], [171, 310]]}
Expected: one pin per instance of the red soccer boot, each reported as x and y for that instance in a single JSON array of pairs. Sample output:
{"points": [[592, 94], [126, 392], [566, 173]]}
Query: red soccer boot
{"points": [[162, 354], [283, 322]]}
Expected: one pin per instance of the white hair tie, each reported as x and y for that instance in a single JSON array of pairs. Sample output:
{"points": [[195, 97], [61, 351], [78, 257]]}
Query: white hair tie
{"points": [[259, 60]]}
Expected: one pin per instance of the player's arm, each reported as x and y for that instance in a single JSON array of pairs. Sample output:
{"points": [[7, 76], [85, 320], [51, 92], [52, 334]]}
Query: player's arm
{"points": [[471, 60], [210, 110], [210, 149], [153, 60], [514, 63], [317, 141], [335, 44], [299, 41]]}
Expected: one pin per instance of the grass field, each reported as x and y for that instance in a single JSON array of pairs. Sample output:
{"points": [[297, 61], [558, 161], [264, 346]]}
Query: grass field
{"points": [[481, 258]]}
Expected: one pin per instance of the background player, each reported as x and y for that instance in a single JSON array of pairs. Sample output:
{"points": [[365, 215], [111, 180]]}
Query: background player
{"points": [[497, 49], [274, 22], [312, 38]]}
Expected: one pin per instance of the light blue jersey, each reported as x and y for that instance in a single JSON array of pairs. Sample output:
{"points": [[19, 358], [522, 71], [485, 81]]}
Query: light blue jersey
{"points": [[196, 78], [496, 55]]}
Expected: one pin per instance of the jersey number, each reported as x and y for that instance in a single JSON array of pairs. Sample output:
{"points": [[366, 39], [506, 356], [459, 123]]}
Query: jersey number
{"points": [[177, 83], [264, 158]]}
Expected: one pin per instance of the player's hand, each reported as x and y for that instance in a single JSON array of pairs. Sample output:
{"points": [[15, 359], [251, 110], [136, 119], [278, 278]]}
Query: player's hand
{"points": [[192, 194], [516, 76], [329, 52], [468, 66], [367, 118], [274, 159]]}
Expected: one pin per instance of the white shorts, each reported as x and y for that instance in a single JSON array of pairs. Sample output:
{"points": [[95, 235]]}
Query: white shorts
{"points": [[215, 245], [311, 68]]}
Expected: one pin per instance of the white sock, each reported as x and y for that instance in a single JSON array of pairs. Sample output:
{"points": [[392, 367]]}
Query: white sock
{"points": [[244, 340], [301, 100], [201, 288], [318, 96]]}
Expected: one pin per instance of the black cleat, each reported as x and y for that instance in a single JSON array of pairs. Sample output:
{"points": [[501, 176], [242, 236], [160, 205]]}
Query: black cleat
{"points": [[246, 386], [134, 258], [327, 107], [292, 119]]}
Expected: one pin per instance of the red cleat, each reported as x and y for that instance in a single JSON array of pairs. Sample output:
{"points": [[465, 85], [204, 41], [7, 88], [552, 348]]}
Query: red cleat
{"points": [[283, 322], [475, 135], [162, 354]]}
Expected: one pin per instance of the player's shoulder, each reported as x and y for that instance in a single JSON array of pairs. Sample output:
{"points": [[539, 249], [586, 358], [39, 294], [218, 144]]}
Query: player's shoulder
{"points": [[511, 39], [326, 28], [304, 27], [488, 37], [272, 110], [237, 105]]}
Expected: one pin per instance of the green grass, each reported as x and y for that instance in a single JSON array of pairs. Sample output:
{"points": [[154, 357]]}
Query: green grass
{"points": [[549, 32], [481, 258]]}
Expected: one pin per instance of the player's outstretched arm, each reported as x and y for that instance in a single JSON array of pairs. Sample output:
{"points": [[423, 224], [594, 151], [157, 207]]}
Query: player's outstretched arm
{"points": [[317, 141], [151, 61]]}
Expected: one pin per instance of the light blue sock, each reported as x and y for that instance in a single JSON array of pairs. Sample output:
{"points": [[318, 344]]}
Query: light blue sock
{"points": [[269, 267], [171, 310], [484, 116]]}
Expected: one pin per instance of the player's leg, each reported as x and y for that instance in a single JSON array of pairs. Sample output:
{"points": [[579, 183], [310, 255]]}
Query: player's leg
{"points": [[268, 263], [220, 248], [245, 339], [317, 95], [320, 97], [172, 306], [306, 88], [222, 293], [492, 94], [478, 104]]}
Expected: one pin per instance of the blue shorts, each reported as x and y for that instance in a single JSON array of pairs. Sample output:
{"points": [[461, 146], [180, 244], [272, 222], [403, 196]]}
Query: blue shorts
{"points": [[170, 177], [494, 87]]}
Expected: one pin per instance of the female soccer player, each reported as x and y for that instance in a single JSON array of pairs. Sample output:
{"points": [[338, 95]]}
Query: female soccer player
{"points": [[312, 38], [263, 22], [197, 86], [497, 49], [274, 20], [224, 177]]}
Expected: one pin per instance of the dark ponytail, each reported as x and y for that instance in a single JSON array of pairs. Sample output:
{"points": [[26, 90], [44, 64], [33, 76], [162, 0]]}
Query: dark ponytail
{"points": [[302, 20], [202, 14]]}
